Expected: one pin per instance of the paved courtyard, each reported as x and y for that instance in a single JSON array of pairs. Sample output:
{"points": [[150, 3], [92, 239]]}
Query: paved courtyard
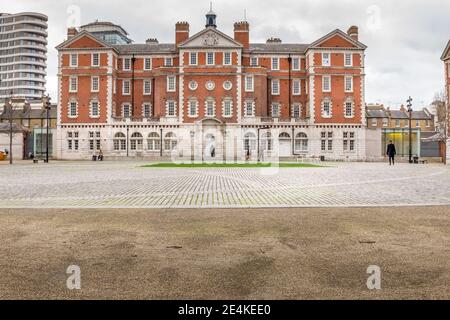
{"points": [[129, 185]]}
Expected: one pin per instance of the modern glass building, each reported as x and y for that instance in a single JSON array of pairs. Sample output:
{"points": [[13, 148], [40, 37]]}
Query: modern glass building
{"points": [[23, 55], [108, 32], [400, 138]]}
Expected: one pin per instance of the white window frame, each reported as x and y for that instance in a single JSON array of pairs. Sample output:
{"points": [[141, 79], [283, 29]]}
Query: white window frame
{"points": [[298, 64], [168, 62], [346, 79], [149, 106], [330, 109], [73, 84], [299, 83], [348, 141], [297, 106], [144, 87], [129, 110], [93, 80], [171, 84], [192, 103], [275, 66], [125, 62], [168, 107], [73, 56], [69, 109], [227, 62], [93, 55], [324, 78], [91, 109], [193, 56], [124, 92], [275, 86], [207, 102], [213, 61], [147, 67], [352, 109], [326, 62], [249, 103], [348, 55], [256, 60], [272, 109], [225, 114], [385, 122], [250, 88]]}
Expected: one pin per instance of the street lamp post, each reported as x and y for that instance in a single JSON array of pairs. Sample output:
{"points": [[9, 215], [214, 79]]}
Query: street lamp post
{"points": [[47, 106], [409, 105]]}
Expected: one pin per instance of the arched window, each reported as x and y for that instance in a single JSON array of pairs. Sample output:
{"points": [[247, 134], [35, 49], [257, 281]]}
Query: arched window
{"points": [[249, 141], [284, 136], [154, 141], [120, 141], [170, 141], [267, 141], [301, 142], [136, 141]]}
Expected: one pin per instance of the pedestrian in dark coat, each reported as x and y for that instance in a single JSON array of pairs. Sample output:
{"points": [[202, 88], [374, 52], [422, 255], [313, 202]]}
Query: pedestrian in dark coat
{"points": [[391, 152]]}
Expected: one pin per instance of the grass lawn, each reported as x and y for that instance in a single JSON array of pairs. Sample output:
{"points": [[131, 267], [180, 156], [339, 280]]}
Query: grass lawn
{"points": [[230, 165]]}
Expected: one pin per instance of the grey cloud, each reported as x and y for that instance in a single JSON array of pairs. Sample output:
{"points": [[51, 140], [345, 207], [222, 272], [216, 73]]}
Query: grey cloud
{"points": [[402, 58]]}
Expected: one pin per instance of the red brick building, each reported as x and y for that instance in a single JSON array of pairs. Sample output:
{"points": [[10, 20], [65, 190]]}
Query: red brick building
{"points": [[210, 96], [446, 58]]}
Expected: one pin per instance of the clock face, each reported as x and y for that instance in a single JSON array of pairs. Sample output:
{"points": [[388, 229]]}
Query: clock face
{"points": [[210, 85]]}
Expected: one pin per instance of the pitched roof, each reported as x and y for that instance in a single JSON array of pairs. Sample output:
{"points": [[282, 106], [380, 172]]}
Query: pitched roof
{"points": [[447, 49], [278, 47], [5, 127], [78, 36], [421, 115], [145, 48], [340, 33], [398, 114], [377, 113]]}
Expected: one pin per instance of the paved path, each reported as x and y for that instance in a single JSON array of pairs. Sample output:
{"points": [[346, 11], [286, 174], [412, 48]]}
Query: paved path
{"points": [[129, 185]]}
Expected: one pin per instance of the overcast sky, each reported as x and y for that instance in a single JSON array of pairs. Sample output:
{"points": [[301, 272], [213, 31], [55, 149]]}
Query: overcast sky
{"points": [[405, 38]]}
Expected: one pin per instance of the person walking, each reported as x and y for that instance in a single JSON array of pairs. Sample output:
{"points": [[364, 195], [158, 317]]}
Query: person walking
{"points": [[391, 152]]}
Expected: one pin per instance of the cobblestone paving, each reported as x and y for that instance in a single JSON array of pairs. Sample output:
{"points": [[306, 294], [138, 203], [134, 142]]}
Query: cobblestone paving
{"points": [[128, 185]]}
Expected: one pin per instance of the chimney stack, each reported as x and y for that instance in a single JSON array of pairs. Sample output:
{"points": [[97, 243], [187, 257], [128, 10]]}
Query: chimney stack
{"points": [[181, 32], [152, 41], [274, 40], [71, 32], [242, 33], [353, 33]]}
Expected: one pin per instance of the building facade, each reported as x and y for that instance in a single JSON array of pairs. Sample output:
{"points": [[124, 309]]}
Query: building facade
{"points": [[212, 97], [446, 59], [23, 55]]}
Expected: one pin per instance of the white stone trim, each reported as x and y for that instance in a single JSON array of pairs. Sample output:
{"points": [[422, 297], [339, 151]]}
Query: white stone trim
{"points": [[189, 101], [91, 115]]}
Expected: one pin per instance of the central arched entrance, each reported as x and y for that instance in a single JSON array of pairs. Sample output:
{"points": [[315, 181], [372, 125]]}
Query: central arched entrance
{"points": [[212, 140]]}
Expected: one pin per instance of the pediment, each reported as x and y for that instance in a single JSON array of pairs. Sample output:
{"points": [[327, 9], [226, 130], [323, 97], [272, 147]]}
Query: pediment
{"points": [[83, 40], [337, 39], [210, 38]]}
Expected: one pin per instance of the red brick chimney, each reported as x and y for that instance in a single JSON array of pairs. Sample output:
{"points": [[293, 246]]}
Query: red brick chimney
{"points": [[71, 32], [181, 32], [242, 33], [353, 33]]}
